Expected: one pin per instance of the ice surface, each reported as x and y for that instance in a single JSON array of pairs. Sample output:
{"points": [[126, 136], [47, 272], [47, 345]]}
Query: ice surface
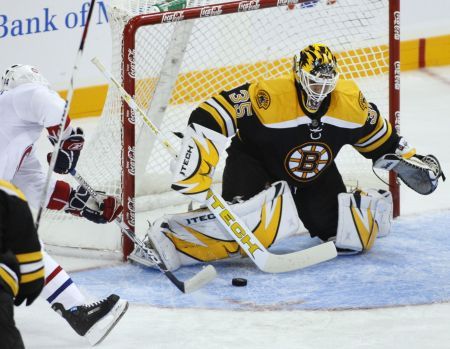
{"points": [[410, 266]]}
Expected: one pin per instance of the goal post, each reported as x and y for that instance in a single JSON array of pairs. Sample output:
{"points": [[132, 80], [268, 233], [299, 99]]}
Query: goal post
{"points": [[171, 61], [377, 55], [394, 88]]}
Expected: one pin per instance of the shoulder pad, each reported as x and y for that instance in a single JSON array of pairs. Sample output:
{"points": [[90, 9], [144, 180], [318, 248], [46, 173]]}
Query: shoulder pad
{"points": [[348, 103], [275, 101]]}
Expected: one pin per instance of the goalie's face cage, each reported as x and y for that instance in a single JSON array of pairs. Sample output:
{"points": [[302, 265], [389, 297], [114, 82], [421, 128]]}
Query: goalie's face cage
{"points": [[315, 68], [315, 87], [19, 74]]}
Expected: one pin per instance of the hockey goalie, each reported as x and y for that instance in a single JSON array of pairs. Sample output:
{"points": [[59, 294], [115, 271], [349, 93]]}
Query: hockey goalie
{"points": [[280, 171]]}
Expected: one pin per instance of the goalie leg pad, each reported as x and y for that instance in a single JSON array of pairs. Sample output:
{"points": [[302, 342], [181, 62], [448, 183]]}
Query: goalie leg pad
{"points": [[363, 217], [197, 236], [157, 239]]}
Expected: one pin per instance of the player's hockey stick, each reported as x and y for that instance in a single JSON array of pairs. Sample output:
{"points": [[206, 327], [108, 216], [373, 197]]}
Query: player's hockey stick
{"points": [[265, 260], [200, 279], [64, 114]]}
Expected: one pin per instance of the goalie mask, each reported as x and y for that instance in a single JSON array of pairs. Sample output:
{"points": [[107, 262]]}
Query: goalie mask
{"points": [[315, 69], [19, 74]]}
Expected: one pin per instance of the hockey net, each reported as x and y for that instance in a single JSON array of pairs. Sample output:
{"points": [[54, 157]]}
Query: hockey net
{"points": [[172, 61]]}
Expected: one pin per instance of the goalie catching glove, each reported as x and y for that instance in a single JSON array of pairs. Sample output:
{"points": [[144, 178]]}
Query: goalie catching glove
{"points": [[69, 152], [82, 204], [420, 173], [194, 167]]}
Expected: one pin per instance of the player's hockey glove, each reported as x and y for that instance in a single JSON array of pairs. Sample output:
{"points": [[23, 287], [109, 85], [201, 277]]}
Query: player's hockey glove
{"points": [[82, 204], [69, 152]]}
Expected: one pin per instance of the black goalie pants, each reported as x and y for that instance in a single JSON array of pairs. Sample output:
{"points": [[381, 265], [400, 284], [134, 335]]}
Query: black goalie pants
{"points": [[317, 203], [10, 337]]}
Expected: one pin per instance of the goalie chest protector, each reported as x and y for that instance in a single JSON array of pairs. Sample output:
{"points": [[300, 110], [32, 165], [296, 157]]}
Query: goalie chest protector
{"points": [[291, 145]]}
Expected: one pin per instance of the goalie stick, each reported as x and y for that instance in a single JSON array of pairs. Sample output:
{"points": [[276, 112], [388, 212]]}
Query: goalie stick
{"points": [[200, 279], [64, 115], [264, 260]]}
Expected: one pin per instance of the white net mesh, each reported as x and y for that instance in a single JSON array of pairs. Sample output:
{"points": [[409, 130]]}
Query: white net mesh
{"points": [[179, 64]]}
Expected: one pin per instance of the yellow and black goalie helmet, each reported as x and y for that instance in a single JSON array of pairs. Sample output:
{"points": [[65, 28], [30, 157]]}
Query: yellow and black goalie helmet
{"points": [[315, 69]]}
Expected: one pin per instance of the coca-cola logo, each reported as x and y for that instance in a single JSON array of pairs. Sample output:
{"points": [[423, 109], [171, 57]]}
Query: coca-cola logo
{"points": [[131, 162], [249, 5], [286, 2], [131, 210], [172, 17], [397, 75], [131, 116], [397, 121], [211, 11], [131, 63], [397, 25]]}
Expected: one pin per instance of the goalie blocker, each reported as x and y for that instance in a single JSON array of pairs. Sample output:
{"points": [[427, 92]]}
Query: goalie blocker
{"points": [[194, 167]]}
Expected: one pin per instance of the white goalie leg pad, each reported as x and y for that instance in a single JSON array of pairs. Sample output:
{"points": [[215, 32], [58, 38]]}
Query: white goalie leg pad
{"points": [[271, 215], [273, 211], [362, 217], [383, 210], [157, 239]]}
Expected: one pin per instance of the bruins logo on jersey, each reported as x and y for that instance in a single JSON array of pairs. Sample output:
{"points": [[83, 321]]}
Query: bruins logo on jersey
{"points": [[372, 116], [305, 162], [362, 101], [263, 99]]}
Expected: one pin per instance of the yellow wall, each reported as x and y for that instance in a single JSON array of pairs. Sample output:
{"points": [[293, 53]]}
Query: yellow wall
{"points": [[89, 101], [437, 51]]}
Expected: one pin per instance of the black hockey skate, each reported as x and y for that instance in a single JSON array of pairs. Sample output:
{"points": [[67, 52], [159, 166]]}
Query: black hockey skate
{"points": [[95, 320]]}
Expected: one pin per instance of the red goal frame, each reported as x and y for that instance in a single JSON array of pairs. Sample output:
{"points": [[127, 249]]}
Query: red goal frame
{"points": [[128, 46]]}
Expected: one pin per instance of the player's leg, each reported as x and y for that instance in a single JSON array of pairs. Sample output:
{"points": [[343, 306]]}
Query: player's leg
{"points": [[10, 337], [318, 206], [352, 220], [60, 291], [59, 287], [243, 176]]}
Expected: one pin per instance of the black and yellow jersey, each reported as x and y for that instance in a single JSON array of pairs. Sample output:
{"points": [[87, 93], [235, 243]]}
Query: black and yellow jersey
{"points": [[293, 144], [18, 235]]}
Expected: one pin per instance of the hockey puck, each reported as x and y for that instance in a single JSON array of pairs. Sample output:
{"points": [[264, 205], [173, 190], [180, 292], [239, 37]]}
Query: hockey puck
{"points": [[239, 282]]}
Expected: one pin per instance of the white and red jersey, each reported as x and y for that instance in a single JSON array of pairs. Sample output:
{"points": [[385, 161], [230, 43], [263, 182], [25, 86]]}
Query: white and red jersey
{"points": [[24, 112]]}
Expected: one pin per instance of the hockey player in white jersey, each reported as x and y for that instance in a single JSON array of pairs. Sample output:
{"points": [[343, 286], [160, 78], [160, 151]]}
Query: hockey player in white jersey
{"points": [[27, 107]]}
